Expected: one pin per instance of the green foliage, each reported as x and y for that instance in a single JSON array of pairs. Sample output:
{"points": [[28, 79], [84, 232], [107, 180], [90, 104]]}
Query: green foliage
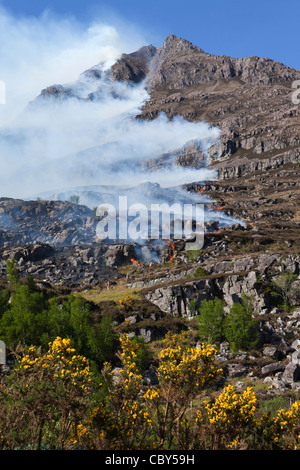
{"points": [[211, 320], [23, 320], [238, 327], [193, 305], [142, 358], [27, 317], [71, 318], [4, 300], [274, 404], [241, 330], [12, 271], [200, 272], [194, 255]]}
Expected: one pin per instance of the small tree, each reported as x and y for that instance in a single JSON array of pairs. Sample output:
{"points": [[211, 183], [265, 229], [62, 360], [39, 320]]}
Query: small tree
{"points": [[4, 301], [12, 272], [211, 320], [241, 330], [24, 320], [143, 355], [104, 341]]}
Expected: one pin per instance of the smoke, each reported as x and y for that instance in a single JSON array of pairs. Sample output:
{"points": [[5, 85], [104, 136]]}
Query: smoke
{"points": [[67, 128], [37, 52]]}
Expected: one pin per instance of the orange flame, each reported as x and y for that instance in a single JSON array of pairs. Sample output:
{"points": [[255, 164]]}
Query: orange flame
{"points": [[136, 263], [173, 248], [219, 208]]}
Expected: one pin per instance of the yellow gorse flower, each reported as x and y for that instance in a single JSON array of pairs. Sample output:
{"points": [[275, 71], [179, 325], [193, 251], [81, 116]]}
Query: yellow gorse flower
{"points": [[187, 365], [231, 408], [59, 360], [288, 418], [151, 394]]}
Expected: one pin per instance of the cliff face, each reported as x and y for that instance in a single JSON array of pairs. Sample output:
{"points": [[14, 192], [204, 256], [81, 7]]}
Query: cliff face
{"points": [[133, 67], [250, 100]]}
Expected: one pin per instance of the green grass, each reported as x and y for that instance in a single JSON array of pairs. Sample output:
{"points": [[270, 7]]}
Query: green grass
{"points": [[274, 404], [115, 293]]}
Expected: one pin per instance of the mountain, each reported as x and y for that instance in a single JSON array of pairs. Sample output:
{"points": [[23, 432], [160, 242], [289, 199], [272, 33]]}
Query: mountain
{"points": [[250, 100], [256, 157], [249, 150]]}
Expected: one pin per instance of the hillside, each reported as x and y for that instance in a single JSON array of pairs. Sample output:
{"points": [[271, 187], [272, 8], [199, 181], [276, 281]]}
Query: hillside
{"points": [[255, 188]]}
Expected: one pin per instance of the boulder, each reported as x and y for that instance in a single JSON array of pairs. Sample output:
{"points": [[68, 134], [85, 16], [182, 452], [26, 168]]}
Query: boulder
{"points": [[273, 352], [291, 373], [272, 368], [236, 370], [175, 299]]}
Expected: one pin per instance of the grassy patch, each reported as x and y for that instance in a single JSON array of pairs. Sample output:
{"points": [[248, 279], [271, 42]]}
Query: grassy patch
{"points": [[115, 293]]}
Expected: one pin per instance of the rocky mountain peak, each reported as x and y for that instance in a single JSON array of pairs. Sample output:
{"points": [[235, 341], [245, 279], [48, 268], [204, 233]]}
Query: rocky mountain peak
{"points": [[135, 66], [175, 44]]}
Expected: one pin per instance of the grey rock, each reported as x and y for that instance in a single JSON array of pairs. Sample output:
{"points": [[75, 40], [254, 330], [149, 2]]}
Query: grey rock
{"points": [[175, 299], [296, 357], [150, 377], [291, 373], [272, 368], [236, 370], [296, 344], [273, 352]]}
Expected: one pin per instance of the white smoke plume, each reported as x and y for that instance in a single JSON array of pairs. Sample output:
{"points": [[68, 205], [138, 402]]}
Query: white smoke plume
{"points": [[38, 52], [88, 140]]}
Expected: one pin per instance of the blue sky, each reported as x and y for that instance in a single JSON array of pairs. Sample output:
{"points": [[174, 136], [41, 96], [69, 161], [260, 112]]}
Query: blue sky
{"points": [[237, 28]]}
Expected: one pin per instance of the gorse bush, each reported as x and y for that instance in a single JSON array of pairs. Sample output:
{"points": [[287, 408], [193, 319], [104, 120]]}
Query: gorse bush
{"points": [[44, 398], [50, 401]]}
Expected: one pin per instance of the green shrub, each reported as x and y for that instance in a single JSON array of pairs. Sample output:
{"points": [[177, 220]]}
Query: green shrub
{"points": [[28, 317], [241, 330], [194, 255], [211, 320], [200, 272], [12, 271]]}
